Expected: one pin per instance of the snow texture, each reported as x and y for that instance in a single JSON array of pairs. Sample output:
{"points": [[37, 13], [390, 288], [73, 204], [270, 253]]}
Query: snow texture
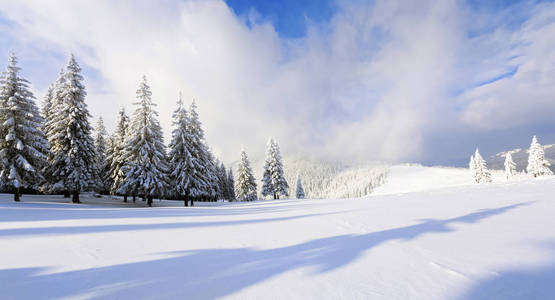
{"points": [[449, 242]]}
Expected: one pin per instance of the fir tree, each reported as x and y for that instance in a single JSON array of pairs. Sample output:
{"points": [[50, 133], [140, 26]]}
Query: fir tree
{"points": [[222, 182], [72, 146], [117, 157], [23, 146], [213, 188], [472, 167], [510, 166], [181, 159], [47, 106], [201, 171], [537, 164], [482, 173], [230, 185], [299, 191], [51, 108], [100, 144], [245, 186], [273, 179], [145, 171]]}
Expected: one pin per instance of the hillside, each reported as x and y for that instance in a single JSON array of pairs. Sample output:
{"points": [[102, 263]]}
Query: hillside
{"points": [[491, 241], [329, 179], [520, 157]]}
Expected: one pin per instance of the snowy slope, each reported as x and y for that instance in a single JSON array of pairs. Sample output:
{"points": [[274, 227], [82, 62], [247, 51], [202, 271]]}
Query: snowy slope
{"points": [[492, 241], [413, 177]]}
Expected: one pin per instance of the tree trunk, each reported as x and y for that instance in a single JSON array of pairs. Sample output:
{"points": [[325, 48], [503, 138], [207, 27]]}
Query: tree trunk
{"points": [[144, 198], [124, 198], [134, 198], [275, 197], [186, 201], [75, 198], [278, 196], [149, 202], [66, 194], [16, 195], [192, 204]]}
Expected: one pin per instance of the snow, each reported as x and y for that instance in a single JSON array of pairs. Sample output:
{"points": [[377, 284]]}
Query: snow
{"points": [[439, 237], [413, 177]]}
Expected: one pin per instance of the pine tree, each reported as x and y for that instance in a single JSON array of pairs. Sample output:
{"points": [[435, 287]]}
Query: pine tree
{"points": [[222, 182], [299, 191], [73, 160], [537, 164], [510, 166], [47, 106], [23, 146], [472, 167], [145, 171], [231, 186], [51, 109], [273, 179], [213, 190], [118, 157], [245, 185], [181, 159], [201, 171], [100, 144], [482, 173]]}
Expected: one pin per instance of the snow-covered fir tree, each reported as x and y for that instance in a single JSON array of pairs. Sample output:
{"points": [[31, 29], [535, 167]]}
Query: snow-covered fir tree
{"points": [[50, 109], [146, 168], [180, 158], [230, 185], [73, 152], [117, 157], [472, 167], [214, 191], [537, 164], [273, 179], [101, 147], [510, 166], [299, 192], [245, 185], [47, 106], [222, 182], [202, 172], [482, 174], [23, 146]]}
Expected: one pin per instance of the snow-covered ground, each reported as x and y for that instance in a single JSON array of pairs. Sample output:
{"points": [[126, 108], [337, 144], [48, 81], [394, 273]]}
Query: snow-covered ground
{"points": [[492, 241], [413, 177]]}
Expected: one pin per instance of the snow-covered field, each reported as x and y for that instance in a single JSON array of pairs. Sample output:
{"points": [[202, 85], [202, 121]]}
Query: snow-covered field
{"points": [[492, 241]]}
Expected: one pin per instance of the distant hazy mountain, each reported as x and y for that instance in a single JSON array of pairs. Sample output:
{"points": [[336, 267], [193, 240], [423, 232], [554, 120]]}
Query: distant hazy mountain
{"points": [[520, 157]]}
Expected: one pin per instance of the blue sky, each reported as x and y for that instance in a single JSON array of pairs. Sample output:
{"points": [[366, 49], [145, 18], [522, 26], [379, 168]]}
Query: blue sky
{"points": [[389, 80], [289, 17]]}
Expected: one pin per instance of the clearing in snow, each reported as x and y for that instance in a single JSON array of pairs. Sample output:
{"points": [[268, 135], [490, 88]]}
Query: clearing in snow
{"points": [[491, 241]]}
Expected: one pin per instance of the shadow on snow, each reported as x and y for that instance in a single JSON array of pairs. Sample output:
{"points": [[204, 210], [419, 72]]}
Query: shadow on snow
{"points": [[210, 273]]}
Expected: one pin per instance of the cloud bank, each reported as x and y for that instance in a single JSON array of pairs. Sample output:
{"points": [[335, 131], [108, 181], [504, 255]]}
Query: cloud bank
{"points": [[387, 80]]}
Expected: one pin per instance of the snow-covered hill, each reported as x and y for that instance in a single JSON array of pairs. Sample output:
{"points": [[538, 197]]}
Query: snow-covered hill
{"points": [[491, 241], [413, 177], [520, 157]]}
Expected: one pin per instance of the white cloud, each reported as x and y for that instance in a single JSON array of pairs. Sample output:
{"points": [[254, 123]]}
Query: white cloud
{"points": [[369, 84]]}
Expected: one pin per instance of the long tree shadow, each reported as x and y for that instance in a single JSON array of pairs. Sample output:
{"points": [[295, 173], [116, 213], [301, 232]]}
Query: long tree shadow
{"points": [[33, 211], [211, 273], [69, 230]]}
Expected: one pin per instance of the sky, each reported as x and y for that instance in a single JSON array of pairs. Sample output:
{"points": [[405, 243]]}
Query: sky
{"points": [[384, 80]]}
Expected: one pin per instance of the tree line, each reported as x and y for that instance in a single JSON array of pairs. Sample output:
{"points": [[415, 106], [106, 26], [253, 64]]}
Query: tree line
{"points": [[56, 150]]}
